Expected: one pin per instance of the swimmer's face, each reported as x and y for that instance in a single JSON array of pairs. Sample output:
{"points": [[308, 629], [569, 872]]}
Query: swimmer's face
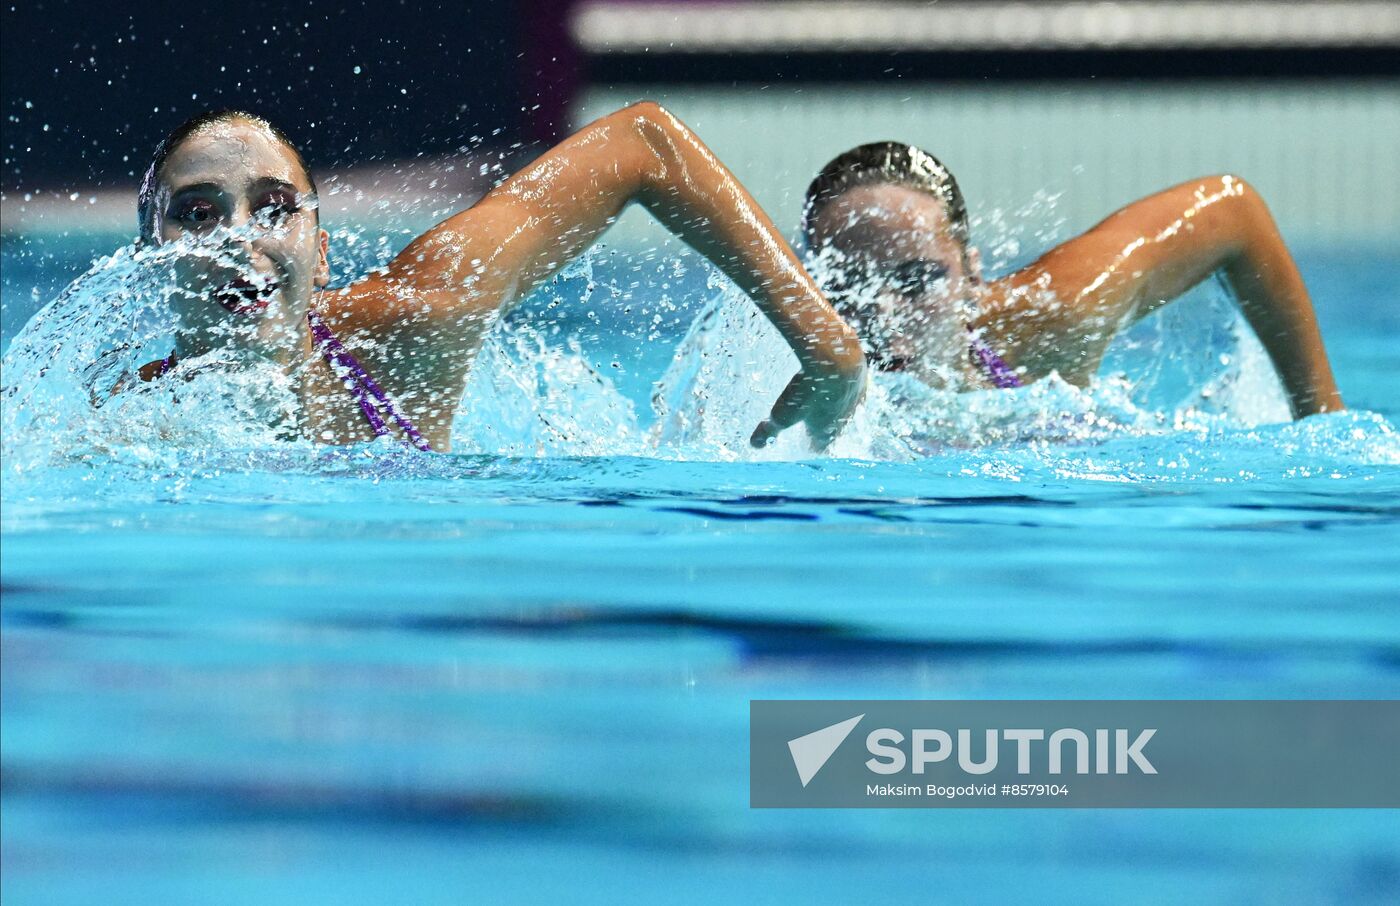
{"points": [[258, 252], [904, 275]]}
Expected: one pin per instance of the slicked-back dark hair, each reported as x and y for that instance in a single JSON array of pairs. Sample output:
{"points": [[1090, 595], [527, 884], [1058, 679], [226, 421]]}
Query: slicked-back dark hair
{"points": [[884, 162], [146, 198]]}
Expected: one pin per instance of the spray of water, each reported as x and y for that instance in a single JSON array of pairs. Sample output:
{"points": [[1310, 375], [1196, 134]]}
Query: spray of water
{"points": [[72, 389], [72, 392]]}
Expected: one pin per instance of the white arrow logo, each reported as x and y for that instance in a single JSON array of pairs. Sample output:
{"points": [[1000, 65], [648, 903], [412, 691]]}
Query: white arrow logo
{"points": [[810, 752]]}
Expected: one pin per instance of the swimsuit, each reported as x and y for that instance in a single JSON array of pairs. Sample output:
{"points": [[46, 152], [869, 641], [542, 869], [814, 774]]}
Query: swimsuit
{"points": [[368, 394], [361, 386], [992, 365]]}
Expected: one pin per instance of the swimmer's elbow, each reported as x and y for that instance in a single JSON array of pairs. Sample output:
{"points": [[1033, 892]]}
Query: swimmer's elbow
{"points": [[662, 134], [1229, 213], [645, 119], [649, 112], [643, 143], [1226, 184], [1253, 231], [1242, 194]]}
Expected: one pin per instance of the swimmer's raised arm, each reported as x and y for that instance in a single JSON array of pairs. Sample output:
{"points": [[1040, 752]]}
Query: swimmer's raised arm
{"points": [[460, 274], [1152, 251]]}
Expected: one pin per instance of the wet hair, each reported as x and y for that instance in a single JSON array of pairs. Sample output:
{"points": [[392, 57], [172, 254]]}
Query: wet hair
{"points": [[884, 162], [146, 198]]}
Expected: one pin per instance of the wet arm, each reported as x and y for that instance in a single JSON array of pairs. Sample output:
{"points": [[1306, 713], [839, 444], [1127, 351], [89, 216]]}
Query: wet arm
{"points": [[524, 231], [1154, 250]]}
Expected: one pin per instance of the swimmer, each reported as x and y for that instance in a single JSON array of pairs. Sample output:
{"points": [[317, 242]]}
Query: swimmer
{"points": [[390, 353], [888, 224]]}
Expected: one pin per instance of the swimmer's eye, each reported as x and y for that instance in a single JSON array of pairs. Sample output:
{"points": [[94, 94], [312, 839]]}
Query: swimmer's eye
{"points": [[848, 285], [915, 278], [196, 213], [278, 207]]}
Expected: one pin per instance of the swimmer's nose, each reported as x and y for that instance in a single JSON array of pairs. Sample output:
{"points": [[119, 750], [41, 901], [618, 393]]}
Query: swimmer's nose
{"points": [[243, 234], [239, 246], [242, 238], [244, 224]]}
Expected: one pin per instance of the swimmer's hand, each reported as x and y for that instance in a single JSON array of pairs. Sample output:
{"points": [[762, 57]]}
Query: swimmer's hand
{"points": [[821, 397]]}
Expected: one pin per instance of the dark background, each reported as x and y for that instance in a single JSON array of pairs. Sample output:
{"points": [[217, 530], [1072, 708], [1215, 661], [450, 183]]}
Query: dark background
{"points": [[108, 80]]}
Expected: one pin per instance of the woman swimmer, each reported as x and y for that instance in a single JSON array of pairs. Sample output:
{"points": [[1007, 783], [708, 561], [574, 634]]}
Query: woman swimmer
{"points": [[889, 225], [401, 341]]}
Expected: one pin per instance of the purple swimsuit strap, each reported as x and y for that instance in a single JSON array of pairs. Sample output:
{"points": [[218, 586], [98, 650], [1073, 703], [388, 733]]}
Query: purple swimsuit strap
{"points": [[993, 366], [368, 394]]}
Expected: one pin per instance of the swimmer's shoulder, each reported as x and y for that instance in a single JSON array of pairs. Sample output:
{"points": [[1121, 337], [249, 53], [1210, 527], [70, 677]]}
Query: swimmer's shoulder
{"points": [[392, 299]]}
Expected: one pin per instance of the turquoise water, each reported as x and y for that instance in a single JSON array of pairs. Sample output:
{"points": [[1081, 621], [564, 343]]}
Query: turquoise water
{"points": [[275, 673]]}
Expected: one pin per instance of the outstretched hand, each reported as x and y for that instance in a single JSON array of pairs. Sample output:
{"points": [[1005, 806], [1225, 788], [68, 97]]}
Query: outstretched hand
{"points": [[821, 398]]}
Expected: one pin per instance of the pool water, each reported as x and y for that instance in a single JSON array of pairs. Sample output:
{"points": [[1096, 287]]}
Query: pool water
{"points": [[375, 676]]}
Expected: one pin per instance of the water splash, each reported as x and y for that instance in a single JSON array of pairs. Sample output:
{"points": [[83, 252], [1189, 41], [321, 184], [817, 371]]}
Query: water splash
{"points": [[725, 375], [1186, 394], [530, 397], [72, 390], [1190, 381]]}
